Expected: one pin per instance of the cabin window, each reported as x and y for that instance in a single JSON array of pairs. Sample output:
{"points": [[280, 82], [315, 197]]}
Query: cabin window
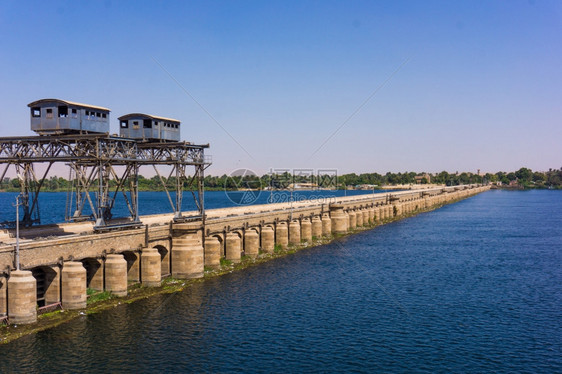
{"points": [[63, 111], [49, 112], [98, 114], [147, 124], [36, 112], [74, 111], [103, 115], [135, 125], [124, 124], [155, 123]]}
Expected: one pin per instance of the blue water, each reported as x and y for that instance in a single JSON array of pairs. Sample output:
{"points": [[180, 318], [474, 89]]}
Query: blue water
{"points": [[52, 204], [475, 286]]}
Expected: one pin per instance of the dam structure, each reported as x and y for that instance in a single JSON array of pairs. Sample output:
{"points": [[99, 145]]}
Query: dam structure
{"points": [[59, 263]]}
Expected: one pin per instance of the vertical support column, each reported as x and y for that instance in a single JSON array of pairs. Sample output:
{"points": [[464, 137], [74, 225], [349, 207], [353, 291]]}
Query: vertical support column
{"points": [[187, 258], [73, 283], [359, 217], [326, 225], [316, 227], [294, 233], [366, 217], [212, 252], [352, 219], [306, 230], [52, 279], [282, 234], [22, 297], [94, 269], [233, 250], [116, 274], [3, 296], [251, 243], [339, 219], [151, 268], [267, 239]]}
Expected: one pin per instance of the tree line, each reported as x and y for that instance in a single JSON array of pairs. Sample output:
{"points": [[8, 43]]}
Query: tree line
{"points": [[523, 177]]}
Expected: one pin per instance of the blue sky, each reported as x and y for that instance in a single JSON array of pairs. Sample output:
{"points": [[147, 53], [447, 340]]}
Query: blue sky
{"points": [[457, 85]]}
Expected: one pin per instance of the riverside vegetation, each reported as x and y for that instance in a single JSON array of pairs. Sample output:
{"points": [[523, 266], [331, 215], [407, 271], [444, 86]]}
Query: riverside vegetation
{"points": [[524, 177]]}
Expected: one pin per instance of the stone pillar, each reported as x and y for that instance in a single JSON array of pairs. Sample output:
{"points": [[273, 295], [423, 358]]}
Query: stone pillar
{"points": [[22, 297], [73, 290], [233, 250], [52, 283], [339, 219], [359, 217], [267, 239], [366, 218], [294, 233], [306, 230], [151, 268], [187, 257], [316, 227], [389, 211], [116, 274], [282, 234], [380, 214], [3, 296], [212, 252], [326, 224], [251, 243], [398, 209], [352, 220], [372, 213]]}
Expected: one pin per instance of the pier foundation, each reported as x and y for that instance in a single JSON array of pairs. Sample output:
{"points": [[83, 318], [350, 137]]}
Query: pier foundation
{"points": [[294, 233], [267, 239], [233, 249], [212, 252], [22, 297], [251, 243], [73, 284], [151, 268]]}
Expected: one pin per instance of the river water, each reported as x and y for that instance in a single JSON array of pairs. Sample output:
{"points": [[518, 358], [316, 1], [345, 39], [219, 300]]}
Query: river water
{"points": [[475, 286]]}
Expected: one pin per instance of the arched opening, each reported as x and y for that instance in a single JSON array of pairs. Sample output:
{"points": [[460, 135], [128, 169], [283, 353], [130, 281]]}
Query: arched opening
{"points": [[165, 258], [133, 266], [221, 245], [47, 285], [94, 273]]}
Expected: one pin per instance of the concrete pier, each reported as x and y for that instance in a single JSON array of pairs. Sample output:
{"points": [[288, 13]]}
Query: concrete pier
{"points": [[151, 268], [251, 243], [339, 219], [267, 239], [359, 218], [326, 225], [116, 275], [306, 230], [3, 296], [294, 232], [73, 284], [352, 220], [22, 297], [187, 258], [282, 235], [212, 252], [316, 227], [233, 248], [52, 284]]}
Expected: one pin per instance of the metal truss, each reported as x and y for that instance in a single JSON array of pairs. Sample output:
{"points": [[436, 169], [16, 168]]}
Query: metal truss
{"points": [[92, 160]]}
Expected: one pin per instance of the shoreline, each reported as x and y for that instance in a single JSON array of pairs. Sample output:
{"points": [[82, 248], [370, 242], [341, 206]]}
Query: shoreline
{"points": [[136, 291]]}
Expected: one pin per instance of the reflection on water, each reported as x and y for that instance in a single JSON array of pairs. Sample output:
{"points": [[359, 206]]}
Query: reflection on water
{"points": [[472, 287]]}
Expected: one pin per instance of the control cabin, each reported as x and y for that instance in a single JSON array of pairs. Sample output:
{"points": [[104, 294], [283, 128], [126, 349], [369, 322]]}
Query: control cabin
{"points": [[149, 128], [55, 117]]}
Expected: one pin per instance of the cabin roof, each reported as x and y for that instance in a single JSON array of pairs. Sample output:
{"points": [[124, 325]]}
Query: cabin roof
{"points": [[71, 103], [147, 116]]}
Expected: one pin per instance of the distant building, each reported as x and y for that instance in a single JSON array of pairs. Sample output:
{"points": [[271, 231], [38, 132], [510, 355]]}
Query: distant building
{"points": [[419, 178]]}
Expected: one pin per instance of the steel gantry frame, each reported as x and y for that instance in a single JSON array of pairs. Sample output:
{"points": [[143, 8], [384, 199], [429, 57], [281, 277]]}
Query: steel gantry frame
{"points": [[92, 160]]}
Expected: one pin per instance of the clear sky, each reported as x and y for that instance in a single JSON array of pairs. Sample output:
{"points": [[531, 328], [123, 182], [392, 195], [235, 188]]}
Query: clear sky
{"points": [[458, 85]]}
